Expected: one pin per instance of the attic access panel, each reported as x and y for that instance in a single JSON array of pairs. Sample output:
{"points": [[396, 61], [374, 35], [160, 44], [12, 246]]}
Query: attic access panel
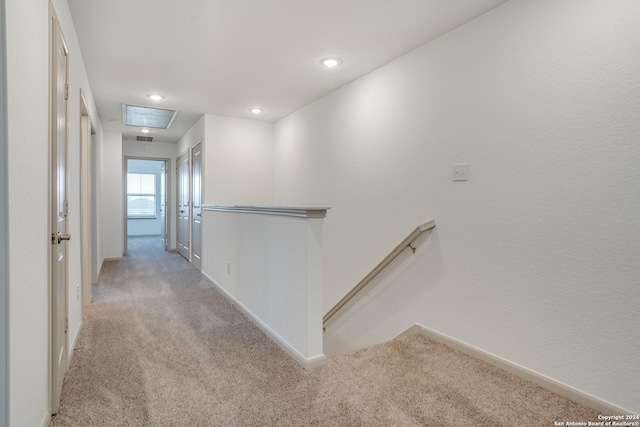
{"points": [[159, 118]]}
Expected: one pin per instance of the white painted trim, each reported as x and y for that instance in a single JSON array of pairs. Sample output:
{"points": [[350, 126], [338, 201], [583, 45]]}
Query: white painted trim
{"points": [[117, 258], [548, 383], [74, 343], [291, 211], [305, 362], [45, 420]]}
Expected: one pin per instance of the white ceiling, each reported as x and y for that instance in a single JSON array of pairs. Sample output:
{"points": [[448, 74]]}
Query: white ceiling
{"points": [[224, 56]]}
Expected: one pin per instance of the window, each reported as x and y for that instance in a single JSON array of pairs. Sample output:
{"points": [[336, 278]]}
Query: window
{"points": [[141, 195]]}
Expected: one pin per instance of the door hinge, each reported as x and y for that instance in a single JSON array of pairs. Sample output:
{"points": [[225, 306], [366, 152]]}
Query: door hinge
{"points": [[66, 208], [66, 324], [66, 91], [54, 239]]}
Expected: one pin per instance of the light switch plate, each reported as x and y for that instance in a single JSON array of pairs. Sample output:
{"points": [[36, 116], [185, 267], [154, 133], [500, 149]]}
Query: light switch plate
{"points": [[461, 172]]}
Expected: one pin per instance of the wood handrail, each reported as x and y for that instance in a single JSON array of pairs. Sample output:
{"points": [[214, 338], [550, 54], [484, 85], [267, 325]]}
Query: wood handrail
{"points": [[406, 243]]}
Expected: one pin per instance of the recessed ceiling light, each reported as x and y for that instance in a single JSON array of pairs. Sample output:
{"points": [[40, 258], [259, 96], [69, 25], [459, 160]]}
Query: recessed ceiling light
{"points": [[145, 130], [256, 110], [155, 97], [331, 62]]}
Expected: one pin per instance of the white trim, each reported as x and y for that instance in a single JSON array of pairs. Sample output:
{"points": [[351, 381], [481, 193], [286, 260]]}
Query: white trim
{"points": [[292, 211], [117, 258], [46, 419], [548, 383], [74, 342], [305, 362]]}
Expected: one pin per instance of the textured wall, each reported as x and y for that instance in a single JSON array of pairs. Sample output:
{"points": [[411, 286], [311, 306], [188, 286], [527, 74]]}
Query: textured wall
{"points": [[238, 161], [272, 265], [112, 199], [78, 81], [535, 258], [27, 160]]}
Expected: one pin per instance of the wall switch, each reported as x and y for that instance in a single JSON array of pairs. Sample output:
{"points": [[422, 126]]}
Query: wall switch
{"points": [[228, 267], [461, 172]]}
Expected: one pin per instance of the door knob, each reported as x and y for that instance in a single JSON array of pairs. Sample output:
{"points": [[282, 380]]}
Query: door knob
{"points": [[62, 237]]}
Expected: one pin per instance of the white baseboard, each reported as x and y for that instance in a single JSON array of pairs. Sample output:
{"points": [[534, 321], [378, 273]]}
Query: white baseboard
{"points": [[550, 384], [117, 258], [74, 343], [46, 419], [305, 362]]}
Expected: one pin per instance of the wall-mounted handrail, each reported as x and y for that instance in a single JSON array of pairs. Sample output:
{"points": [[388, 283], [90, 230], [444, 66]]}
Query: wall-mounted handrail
{"points": [[406, 243]]}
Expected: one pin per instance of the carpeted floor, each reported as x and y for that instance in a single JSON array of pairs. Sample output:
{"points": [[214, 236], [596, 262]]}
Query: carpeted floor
{"points": [[161, 346]]}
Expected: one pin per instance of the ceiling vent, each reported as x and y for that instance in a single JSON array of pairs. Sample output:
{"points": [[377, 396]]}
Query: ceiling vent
{"points": [[145, 138], [159, 118]]}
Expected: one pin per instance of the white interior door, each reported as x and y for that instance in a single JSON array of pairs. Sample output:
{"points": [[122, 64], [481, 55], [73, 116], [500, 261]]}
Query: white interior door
{"points": [[163, 204], [196, 197], [182, 236], [59, 215]]}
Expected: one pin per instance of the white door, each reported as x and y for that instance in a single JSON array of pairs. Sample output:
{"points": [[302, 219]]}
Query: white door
{"points": [[196, 197], [59, 214], [163, 204], [182, 236]]}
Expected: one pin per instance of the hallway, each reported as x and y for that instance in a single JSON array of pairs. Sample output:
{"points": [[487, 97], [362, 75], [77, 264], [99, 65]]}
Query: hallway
{"points": [[161, 346]]}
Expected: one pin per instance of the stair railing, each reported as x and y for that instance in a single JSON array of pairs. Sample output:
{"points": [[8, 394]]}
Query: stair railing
{"points": [[406, 243]]}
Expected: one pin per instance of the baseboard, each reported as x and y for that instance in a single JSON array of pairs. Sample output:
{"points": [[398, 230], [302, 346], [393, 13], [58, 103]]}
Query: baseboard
{"points": [[46, 419], [74, 344], [117, 258], [550, 384], [305, 362]]}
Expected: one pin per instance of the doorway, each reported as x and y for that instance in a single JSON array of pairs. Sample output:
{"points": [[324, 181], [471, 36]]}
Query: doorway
{"points": [[146, 194]]}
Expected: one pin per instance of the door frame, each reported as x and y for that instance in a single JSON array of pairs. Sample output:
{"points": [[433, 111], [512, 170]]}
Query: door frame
{"points": [[167, 192], [185, 154], [54, 31], [86, 209], [196, 259]]}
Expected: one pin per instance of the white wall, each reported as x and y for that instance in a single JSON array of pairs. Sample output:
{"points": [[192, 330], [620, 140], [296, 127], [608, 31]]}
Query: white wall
{"points": [[272, 267], [535, 258], [27, 121], [158, 150], [112, 196], [78, 82], [27, 38], [237, 161], [192, 136]]}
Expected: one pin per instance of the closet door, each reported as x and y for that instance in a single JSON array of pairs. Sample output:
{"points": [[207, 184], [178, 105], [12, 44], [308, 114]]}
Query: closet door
{"points": [[182, 235], [196, 197]]}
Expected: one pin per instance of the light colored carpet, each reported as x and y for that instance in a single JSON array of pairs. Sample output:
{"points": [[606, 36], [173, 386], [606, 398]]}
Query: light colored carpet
{"points": [[161, 346]]}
